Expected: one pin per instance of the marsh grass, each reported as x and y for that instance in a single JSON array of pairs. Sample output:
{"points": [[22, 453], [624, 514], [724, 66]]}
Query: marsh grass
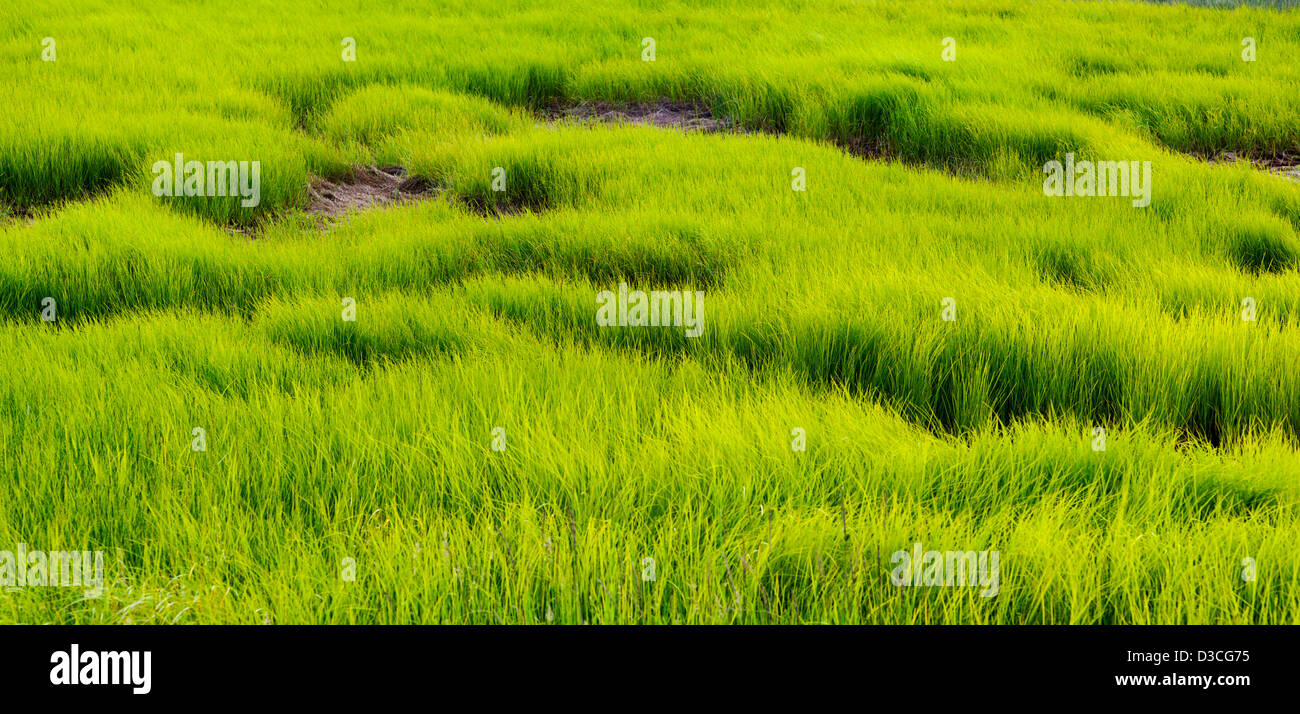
{"points": [[371, 441]]}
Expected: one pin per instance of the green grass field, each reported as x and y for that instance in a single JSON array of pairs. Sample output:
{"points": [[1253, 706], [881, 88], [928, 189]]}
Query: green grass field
{"points": [[942, 338]]}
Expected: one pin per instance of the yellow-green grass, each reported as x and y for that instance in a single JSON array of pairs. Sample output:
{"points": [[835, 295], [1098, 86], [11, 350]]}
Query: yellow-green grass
{"points": [[366, 446]]}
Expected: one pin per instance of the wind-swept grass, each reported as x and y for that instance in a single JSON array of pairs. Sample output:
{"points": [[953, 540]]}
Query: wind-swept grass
{"points": [[309, 462], [1029, 81], [412, 415]]}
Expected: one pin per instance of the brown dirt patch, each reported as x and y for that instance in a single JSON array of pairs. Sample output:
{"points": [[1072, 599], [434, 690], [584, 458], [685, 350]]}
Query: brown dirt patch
{"points": [[1285, 164], [365, 188], [683, 116], [688, 117]]}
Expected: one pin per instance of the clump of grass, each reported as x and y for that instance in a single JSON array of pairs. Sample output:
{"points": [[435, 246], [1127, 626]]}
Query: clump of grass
{"points": [[1069, 265], [1263, 244]]}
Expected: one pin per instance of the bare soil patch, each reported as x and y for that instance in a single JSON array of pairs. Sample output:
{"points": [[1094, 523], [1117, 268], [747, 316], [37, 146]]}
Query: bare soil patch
{"points": [[365, 188], [689, 117], [683, 116], [1285, 164]]}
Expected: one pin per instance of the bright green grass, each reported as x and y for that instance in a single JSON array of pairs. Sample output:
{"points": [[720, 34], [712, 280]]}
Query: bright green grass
{"points": [[371, 440]]}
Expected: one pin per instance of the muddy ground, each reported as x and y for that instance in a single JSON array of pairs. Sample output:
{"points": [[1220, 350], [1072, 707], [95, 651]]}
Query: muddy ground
{"points": [[367, 187]]}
